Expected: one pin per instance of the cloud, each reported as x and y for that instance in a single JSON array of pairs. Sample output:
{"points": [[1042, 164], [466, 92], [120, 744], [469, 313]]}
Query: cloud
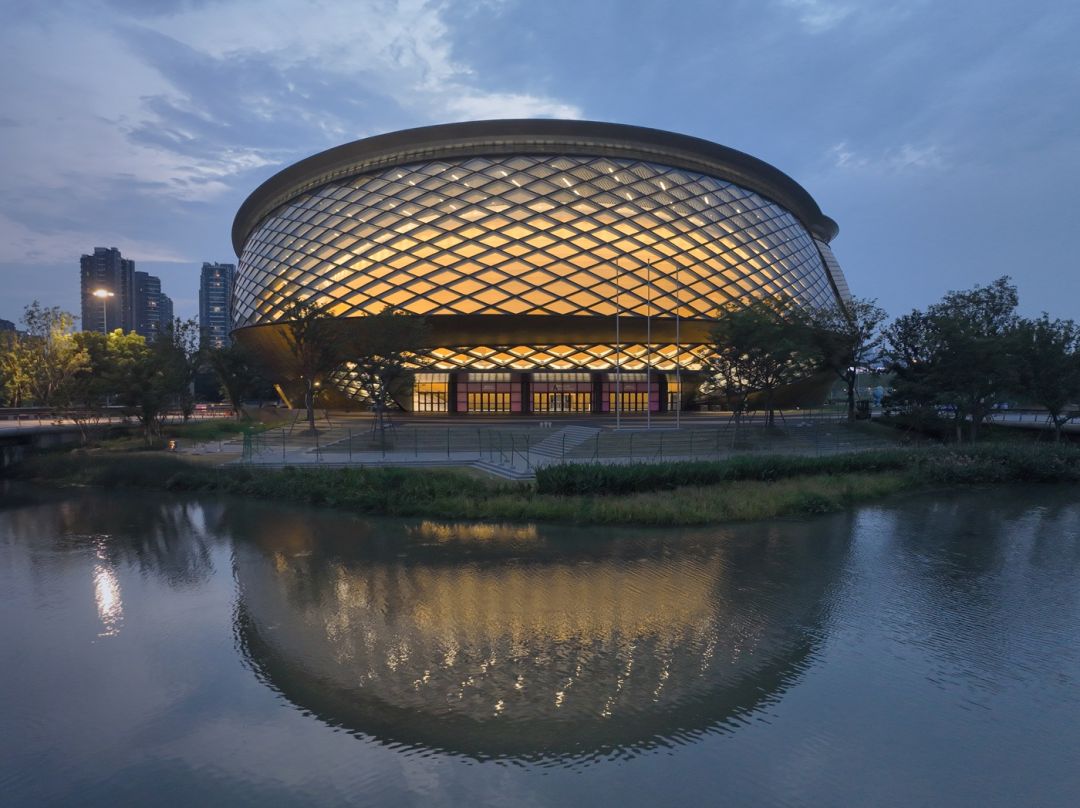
{"points": [[907, 157], [818, 16], [141, 115], [509, 105]]}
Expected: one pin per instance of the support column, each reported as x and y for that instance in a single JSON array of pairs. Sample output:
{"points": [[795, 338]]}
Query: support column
{"points": [[451, 391], [526, 394]]}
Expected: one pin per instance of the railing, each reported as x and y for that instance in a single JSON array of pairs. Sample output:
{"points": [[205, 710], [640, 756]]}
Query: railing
{"points": [[52, 416], [525, 446]]}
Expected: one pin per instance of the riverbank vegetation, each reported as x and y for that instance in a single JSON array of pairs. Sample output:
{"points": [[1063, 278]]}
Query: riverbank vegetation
{"points": [[742, 488]]}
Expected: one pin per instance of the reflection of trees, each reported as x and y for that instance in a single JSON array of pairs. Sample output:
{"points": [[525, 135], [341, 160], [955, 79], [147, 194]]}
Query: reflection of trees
{"points": [[530, 642], [165, 537], [977, 570]]}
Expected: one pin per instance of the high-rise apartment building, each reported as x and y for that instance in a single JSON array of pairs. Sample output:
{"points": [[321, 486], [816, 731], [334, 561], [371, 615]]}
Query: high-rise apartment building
{"points": [[165, 308], [216, 304], [148, 321], [107, 283]]}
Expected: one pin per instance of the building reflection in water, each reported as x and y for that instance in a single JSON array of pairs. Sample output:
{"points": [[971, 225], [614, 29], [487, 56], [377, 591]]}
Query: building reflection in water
{"points": [[525, 642]]}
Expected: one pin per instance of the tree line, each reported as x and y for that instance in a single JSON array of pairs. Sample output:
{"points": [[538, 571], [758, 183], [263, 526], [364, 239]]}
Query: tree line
{"points": [[957, 359], [50, 364]]}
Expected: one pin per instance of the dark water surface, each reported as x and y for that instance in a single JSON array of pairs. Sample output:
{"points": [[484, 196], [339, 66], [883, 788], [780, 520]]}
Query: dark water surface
{"points": [[182, 651]]}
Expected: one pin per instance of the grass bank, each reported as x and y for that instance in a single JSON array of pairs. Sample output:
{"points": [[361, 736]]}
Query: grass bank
{"points": [[991, 463], [190, 432], [742, 488]]}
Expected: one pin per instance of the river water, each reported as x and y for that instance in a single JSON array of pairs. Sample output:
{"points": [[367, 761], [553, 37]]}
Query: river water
{"points": [[200, 651]]}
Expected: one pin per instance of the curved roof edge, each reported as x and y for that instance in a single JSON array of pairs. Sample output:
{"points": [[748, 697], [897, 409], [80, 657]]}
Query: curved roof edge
{"points": [[529, 136]]}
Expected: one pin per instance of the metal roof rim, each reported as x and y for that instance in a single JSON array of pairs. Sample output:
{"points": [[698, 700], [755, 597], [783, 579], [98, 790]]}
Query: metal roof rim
{"points": [[480, 138]]}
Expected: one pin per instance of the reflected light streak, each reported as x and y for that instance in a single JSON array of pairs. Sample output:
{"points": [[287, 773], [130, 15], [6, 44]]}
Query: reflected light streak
{"points": [[110, 605]]}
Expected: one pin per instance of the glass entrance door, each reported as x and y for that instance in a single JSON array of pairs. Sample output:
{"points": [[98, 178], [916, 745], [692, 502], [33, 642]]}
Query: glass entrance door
{"points": [[489, 402], [562, 402], [632, 401]]}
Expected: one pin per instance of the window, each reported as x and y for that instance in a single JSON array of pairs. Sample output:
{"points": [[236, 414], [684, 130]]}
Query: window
{"points": [[431, 392]]}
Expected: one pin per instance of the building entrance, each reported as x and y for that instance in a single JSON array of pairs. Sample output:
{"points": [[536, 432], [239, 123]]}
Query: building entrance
{"points": [[562, 402], [632, 401], [489, 402]]}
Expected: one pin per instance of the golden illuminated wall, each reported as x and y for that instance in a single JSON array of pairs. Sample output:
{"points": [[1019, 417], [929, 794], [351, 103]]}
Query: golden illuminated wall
{"points": [[527, 235]]}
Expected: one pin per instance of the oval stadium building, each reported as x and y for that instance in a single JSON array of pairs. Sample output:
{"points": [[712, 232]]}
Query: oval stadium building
{"points": [[559, 264]]}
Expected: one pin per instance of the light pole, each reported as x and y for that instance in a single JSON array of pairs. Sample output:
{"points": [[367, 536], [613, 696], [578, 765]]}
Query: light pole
{"points": [[104, 294]]}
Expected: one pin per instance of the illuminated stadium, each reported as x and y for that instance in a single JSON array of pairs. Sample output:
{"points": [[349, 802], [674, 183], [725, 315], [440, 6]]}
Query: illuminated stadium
{"points": [[560, 264]]}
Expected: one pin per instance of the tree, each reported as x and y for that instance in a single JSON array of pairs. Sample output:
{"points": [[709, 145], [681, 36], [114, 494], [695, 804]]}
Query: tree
{"points": [[16, 364], [959, 353], [178, 350], [143, 378], [389, 346], [313, 342], [88, 388], [760, 346], [846, 338], [1049, 355], [53, 354], [912, 349], [237, 374]]}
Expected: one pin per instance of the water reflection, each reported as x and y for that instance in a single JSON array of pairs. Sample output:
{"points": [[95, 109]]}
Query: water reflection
{"points": [[976, 579], [526, 642], [165, 537], [925, 651], [110, 606]]}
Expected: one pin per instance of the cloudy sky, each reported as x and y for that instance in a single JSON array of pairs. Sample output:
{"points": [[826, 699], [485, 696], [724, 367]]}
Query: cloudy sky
{"points": [[943, 136]]}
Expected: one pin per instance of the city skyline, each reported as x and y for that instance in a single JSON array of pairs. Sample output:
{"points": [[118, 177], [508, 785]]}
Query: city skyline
{"points": [[937, 136], [115, 295]]}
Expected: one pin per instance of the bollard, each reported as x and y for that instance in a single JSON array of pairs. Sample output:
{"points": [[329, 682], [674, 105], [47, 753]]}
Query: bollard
{"points": [[350, 447], [416, 442], [448, 443]]}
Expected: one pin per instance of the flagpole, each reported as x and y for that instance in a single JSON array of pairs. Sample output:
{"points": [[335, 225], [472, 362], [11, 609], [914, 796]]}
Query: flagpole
{"points": [[618, 348], [678, 348], [648, 347]]}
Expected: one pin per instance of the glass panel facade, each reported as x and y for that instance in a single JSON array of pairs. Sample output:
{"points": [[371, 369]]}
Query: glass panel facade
{"points": [[486, 223], [534, 236], [633, 357]]}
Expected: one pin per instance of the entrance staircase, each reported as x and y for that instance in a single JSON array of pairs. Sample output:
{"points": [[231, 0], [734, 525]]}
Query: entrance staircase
{"points": [[557, 445]]}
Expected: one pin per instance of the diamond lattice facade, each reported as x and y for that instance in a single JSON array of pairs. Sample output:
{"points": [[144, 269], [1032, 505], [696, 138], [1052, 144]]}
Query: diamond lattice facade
{"points": [[534, 248]]}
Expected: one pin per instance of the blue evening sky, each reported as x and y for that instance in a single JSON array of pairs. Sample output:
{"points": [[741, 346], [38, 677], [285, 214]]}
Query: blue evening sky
{"points": [[943, 136]]}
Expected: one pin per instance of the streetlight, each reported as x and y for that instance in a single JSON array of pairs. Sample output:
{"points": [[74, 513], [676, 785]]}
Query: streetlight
{"points": [[104, 294]]}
